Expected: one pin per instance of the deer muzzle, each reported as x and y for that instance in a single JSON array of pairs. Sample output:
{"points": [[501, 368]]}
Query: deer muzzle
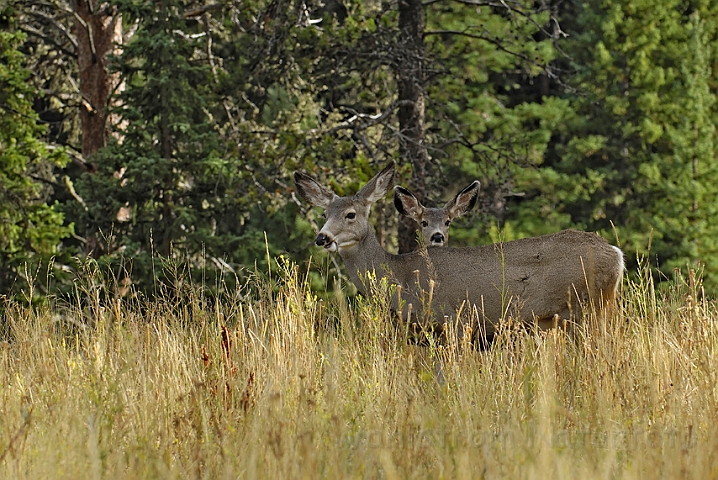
{"points": [[323, 240], [437, 239]]}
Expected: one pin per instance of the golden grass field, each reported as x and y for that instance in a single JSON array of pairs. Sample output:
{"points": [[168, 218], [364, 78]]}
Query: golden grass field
{"points": [[271, 382]]}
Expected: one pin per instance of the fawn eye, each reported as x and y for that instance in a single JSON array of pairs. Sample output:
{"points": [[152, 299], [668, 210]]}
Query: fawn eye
{"points": [[447, 223], [351, 215], [424, 224]]}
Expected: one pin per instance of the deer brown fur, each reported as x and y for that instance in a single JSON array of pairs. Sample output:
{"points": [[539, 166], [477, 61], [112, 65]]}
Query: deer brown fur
{"points": [[533, 279]]}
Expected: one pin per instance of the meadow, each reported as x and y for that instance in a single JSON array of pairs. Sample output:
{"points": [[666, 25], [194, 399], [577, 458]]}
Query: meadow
{"points": [[272, 381]]}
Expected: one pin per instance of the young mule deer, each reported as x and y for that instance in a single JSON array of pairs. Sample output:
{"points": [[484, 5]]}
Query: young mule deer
{"points": [[435, 222], [533, 279]]}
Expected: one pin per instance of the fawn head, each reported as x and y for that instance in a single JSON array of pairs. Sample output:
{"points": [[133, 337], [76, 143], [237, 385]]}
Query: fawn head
{"points": [[434, 222]]}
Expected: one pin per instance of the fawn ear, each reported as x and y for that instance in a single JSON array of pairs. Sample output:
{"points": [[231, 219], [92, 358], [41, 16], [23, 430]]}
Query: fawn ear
{"points": [[463, 201], [407, 204], [378, 186], [312, 192]]}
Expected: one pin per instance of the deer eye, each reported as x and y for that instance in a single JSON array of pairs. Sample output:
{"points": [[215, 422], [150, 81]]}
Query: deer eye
{"points": [[447, 223], [424, 224], [351, 215]]}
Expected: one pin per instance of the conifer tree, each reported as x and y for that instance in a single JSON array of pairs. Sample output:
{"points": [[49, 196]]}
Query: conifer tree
{"points": [[30, 229], [691, 204], [635, 148], [161, 189], [490, 112]]}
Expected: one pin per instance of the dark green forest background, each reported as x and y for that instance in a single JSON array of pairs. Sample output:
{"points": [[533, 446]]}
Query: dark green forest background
{"points": [[148, 137]]}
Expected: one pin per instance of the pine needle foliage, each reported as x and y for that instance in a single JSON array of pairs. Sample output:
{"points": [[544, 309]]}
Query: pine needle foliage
{"points": [[31, 227]]}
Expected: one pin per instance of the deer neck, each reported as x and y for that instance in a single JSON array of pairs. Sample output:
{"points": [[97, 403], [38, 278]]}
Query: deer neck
{"points": [[367, 256]]}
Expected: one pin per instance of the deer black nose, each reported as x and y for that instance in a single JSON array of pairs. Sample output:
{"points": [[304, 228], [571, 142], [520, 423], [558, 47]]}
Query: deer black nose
{"points": [[322, 239], [437, 238]]}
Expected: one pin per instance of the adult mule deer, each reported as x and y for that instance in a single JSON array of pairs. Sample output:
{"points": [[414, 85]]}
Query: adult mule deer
{"points": [[530, 279], [434, 222]]}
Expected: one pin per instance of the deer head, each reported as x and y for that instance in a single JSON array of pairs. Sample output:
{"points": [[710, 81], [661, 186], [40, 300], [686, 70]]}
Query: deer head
{"points": [[434, 222]]}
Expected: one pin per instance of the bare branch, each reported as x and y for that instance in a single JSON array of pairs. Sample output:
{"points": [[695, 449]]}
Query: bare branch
{"points": [[74, 155], [362, 121], [195, 12], [476, 3], [496, 42], [33, 32], [71, 189], [513, 9], [88, 27], [365, 143], [45, 181], [56, 24]]}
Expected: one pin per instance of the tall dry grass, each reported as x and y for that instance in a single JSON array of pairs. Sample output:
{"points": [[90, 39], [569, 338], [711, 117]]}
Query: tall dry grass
{"points": [[271, 382]]}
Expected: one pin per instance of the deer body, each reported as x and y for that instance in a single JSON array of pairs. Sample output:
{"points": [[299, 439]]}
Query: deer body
{"points": [[533, 278]]}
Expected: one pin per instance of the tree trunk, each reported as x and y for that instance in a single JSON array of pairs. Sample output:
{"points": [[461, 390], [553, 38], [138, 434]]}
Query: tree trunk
{"points": [[96, 30], [410, 79]]}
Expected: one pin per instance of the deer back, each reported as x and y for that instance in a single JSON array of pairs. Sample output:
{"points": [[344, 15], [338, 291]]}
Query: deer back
{"points": [[534, 278]]}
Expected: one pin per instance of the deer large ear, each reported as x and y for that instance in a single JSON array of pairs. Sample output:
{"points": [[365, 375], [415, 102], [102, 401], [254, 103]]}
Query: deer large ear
{"points": [[406, 203], [377, 187], [463, 201], [312, 192]]}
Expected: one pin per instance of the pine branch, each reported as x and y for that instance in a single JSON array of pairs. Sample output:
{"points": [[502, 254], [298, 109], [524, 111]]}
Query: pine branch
{"points": [[496, 42], [508, 6]]}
